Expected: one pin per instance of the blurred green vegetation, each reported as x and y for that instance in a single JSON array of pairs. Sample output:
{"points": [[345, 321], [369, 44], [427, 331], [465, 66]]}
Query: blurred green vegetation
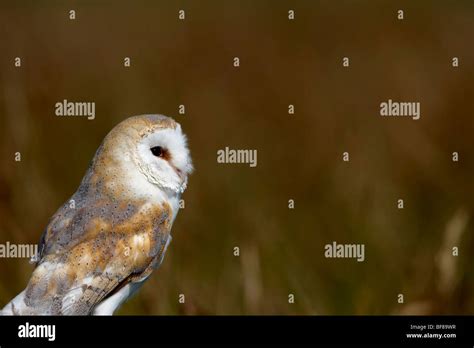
{"points": [[299, 156]]}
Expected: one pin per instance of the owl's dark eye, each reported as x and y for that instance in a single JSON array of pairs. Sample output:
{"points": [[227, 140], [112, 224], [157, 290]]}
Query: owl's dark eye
{"points": [[157, 151]]}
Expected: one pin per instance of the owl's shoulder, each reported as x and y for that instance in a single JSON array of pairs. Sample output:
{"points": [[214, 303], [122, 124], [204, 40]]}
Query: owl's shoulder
{"points": [[105, 222]]}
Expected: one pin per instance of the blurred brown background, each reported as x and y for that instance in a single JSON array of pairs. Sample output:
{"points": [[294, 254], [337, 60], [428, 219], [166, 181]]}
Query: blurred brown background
{"points": [[299, 156]]}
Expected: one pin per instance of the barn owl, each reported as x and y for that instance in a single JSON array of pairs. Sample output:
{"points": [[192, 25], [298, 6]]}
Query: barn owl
{"points": [[105, 241]]}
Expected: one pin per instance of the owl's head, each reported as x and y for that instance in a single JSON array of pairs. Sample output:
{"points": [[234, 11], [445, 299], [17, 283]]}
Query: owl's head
{"points": [[144, 153]]}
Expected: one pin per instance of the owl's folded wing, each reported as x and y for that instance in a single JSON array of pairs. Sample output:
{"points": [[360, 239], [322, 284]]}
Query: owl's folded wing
{"points": [[87, 256]]}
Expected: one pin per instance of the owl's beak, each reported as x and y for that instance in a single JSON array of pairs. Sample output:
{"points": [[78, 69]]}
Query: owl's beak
{"points": [[180, 173], [184, 179]]}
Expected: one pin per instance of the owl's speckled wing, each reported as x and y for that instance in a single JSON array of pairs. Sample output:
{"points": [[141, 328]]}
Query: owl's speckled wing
{"points": [[91, 248]]}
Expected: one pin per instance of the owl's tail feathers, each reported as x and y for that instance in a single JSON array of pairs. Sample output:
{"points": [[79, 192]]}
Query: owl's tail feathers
{"points": [[17, 306]]}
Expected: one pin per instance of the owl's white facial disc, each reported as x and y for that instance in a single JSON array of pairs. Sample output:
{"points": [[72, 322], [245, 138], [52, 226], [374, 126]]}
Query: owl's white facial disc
{"points": [[163, 157]]}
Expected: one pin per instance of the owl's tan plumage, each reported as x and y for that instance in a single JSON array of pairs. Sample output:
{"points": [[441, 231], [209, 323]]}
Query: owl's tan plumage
{"points": [[114, 230]]}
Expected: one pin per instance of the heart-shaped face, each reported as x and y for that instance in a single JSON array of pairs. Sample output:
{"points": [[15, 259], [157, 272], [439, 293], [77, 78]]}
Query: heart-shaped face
{"points": [[144, 155]]}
